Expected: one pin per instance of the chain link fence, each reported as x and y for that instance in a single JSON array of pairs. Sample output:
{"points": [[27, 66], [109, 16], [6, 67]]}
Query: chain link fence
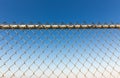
{"points": [[75, 52]]}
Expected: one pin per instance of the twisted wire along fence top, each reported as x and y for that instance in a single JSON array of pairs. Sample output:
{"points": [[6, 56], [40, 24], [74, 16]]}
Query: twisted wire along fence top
{"points": [[45, 26]]}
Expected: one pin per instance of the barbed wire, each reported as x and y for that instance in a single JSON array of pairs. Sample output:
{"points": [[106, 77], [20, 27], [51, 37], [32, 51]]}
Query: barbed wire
{"points": [[45, 26]]}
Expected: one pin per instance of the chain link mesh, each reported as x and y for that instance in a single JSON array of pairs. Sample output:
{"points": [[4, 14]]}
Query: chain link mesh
{"points": [[60, 53]]}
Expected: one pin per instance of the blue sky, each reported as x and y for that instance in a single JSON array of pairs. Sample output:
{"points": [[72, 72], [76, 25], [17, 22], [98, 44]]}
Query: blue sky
{"points": [[40, 45], [59, 10]]}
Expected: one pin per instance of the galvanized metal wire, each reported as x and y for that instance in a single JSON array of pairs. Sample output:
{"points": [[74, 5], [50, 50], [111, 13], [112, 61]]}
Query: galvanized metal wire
{"points": [[59, 51], [44, 26]]}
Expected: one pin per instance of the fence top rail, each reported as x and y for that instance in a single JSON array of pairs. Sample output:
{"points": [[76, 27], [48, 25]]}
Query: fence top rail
{"points": [[44, 26]]}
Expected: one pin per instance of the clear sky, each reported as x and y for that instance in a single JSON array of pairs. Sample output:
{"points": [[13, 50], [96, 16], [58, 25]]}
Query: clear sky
{"points": [[67, 52], [60, 10]]}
